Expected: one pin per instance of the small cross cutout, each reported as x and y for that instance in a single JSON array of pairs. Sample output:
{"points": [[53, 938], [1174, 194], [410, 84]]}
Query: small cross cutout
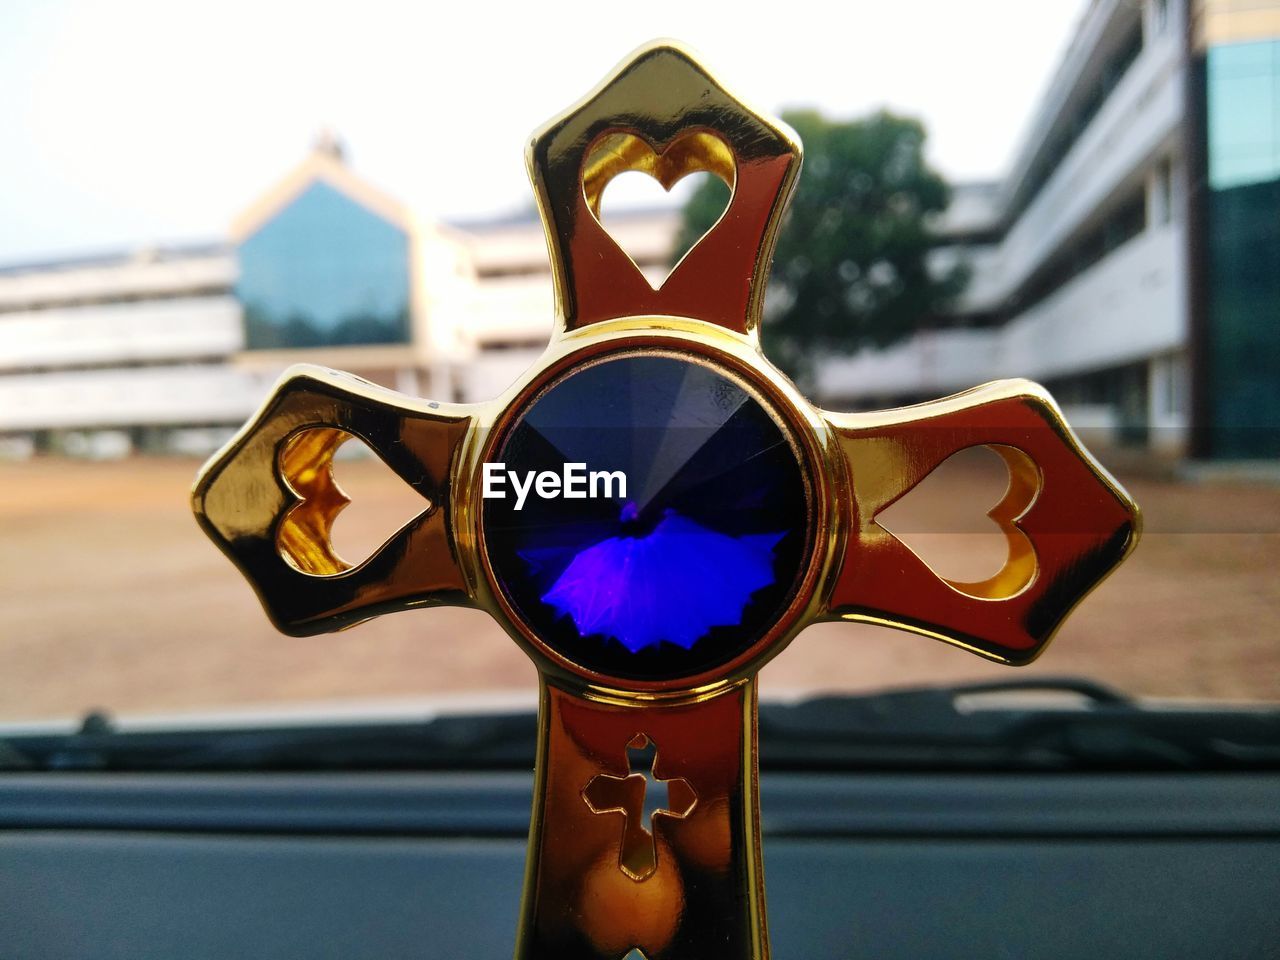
{"points": [[631, 797]]}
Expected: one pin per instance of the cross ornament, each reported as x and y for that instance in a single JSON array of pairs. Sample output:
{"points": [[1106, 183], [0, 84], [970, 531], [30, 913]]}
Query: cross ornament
{"points": [[744, 514]]}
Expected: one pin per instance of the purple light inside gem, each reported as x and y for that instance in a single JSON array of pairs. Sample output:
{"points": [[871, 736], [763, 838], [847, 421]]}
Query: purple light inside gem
{"points": [[673, 583]]}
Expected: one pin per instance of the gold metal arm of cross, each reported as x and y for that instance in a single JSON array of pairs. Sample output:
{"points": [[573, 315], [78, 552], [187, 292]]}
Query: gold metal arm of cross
{"points": [[658, 626]]}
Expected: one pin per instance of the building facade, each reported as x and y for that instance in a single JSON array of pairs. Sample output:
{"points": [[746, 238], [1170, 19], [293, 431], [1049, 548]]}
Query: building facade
{"points": [[1131, 257], [169, 350], [1130, 260]]}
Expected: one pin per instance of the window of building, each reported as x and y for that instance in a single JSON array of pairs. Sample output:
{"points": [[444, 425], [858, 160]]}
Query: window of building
{"points": [[324, 271], [1162, 193], [1123, 390], [1077, 120], [1243, 88], [1128, 220], [1173, 398], [1242, 91], [1159, 16]]}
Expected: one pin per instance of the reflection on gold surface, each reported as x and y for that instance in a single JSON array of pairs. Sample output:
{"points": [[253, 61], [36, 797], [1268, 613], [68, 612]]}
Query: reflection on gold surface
{"points": [[305, 532]]}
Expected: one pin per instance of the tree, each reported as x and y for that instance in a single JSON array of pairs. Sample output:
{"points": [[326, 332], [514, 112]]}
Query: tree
{"points": [[850, 269]]}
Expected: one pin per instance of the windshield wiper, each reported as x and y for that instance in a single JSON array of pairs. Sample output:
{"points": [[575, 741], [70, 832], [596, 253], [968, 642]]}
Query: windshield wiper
{"points": [[1014, 725], [462, 742], [1018, 724]]}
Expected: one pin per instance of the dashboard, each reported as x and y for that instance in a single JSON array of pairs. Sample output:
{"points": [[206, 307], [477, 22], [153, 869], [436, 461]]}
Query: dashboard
{"points": [[429, 864]]}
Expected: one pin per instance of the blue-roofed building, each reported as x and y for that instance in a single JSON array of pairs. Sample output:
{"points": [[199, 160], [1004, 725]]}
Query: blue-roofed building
{"points": [[169, 349]]}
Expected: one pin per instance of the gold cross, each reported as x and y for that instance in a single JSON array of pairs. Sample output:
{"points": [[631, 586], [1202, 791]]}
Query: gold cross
{"points": [[662, 623]]}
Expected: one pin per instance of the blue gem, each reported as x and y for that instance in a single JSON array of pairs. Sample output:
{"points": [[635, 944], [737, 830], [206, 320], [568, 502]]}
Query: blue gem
{"points": [[699, 556]]}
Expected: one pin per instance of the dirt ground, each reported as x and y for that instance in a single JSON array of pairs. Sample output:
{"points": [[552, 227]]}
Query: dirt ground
{"points": [[111, 597]]}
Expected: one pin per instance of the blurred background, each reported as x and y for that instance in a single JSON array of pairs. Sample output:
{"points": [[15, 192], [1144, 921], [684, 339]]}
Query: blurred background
{"points": [[1084, 192]]}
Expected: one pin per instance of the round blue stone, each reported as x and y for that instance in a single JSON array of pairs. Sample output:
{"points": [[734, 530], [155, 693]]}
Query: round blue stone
{"points": [[689, 565]]}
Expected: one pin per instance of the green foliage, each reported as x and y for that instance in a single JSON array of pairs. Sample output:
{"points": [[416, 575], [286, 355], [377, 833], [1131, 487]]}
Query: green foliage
{"points": [[850, 267]]}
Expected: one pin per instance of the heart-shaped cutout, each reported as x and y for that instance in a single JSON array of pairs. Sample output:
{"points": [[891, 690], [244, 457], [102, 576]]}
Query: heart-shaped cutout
{"points": [[622, 158], [382, 503], [310, 537], [982, 554]]}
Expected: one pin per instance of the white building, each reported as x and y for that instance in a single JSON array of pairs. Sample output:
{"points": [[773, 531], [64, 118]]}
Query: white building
{"points": [[1130, 261], [171, 349]]}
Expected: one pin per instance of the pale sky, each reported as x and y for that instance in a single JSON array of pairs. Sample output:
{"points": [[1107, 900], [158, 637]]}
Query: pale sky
{"points": [[128, 123]]}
